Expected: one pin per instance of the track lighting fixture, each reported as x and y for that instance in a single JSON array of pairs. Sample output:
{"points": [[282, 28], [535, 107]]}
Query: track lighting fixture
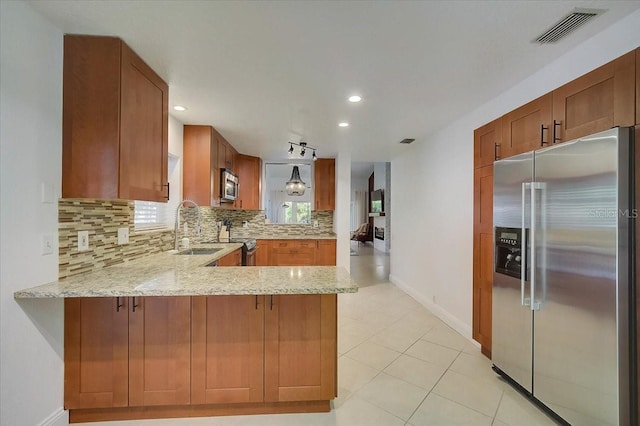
{"points": [[303, 150]]}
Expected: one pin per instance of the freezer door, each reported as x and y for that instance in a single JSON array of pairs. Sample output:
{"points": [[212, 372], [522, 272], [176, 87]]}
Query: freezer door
{"points": [[511, 349], [579, 287]]}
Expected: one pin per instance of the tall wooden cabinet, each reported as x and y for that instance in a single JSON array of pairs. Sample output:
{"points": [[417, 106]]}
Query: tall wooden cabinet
{"points": [[114, 124], [249, 170], [603, 98], [123, 352], [324, 181], [300, 351], [226, 153], [597, 101], [200, 173]]}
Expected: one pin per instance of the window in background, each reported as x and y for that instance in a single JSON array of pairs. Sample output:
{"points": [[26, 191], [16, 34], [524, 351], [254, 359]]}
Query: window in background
{"points": [[297, 212], [150, 215]]}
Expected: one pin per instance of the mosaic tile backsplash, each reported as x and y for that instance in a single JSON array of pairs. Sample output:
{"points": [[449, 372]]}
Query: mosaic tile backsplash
{"points": [[102, 218]]}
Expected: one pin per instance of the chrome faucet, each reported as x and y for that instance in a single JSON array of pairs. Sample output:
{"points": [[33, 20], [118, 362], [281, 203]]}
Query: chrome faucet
{"points": [[177, 222]]}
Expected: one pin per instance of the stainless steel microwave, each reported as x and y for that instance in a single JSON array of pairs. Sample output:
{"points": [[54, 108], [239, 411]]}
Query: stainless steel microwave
{"points": [[229, 186]]}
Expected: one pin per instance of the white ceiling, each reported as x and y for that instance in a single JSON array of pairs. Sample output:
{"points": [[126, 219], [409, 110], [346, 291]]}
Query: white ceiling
{"points": [[266, 72]]}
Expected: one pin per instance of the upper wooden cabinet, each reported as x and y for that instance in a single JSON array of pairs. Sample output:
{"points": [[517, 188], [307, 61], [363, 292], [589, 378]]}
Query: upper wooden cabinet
{"points": [[324, 181], [597, 101], [127, 351], [249, 170], [115, 122], [527, 128], [226, 153], [487, 143], [200, 173]]}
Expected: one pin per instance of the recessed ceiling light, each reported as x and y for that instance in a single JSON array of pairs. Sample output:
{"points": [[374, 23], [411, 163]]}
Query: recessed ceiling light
{"points": [[343, 124], [179, 108], [355, 98]]}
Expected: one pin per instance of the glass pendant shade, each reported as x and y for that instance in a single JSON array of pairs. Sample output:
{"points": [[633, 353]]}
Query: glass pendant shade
{"points": [[295, 186]]}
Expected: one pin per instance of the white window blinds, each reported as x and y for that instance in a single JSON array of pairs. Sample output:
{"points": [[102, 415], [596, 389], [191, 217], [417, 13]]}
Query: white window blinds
{"points": [[150, 215]]}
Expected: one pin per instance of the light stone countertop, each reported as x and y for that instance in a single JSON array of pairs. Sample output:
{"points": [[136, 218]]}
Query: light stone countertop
{"points": [[168, 274]]}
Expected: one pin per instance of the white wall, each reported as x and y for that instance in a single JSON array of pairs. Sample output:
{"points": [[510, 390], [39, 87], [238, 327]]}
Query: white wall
{"points": [[31, 332], [433, 223], [342, 214], [176, 131]]}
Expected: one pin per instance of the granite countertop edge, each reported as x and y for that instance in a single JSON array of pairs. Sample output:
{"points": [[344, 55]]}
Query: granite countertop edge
{"points": [[169, 274]]}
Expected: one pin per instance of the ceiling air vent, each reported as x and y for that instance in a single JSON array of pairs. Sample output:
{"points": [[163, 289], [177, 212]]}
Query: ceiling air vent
{"points": [[566, 25], [407, 141]]}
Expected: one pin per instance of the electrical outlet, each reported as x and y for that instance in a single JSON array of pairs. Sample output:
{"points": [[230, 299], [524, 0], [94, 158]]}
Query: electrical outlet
{"points": [[315, 224], [47, 244], [83, 240], [245, 224], [123, 236]]}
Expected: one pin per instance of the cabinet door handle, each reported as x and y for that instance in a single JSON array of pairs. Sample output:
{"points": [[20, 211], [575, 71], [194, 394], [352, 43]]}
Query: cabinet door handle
{"points": [[495, 151], [167, 185], [271, 302], [134, 305], [556, 124], [118, 304], [542, 129]]}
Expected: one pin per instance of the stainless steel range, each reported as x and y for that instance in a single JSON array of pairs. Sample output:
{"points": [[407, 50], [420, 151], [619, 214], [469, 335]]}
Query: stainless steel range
{"points": [[249, 248]]}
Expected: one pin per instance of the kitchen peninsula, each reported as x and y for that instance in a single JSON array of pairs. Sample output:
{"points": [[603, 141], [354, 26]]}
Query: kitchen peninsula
{"points": [[168, 336]]}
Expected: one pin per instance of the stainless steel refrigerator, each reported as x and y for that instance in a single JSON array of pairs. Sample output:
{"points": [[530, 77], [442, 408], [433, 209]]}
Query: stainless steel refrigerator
{"points": [[563, 316]]}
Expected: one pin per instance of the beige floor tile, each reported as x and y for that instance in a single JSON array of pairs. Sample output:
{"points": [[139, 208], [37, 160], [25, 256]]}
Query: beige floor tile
{"points": [[446, 336], [396, 396], [438, 411], [433, 353], [478, 367], [373, 355], [396, 337], [349, 340], [514, 410], [476, 394], [352, 375], [357, 412], [413, 370]]}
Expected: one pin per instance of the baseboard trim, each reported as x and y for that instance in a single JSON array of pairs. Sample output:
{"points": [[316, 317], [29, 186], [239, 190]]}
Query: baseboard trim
{"points": [[437, 310], [60, 417]]}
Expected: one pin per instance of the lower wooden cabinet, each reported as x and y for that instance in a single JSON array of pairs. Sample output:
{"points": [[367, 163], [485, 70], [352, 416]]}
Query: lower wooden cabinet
{"points": [[199, 353], [227, 349], [326, 252], [296, 252], [232, 259], [123, 352], [300, 347]]}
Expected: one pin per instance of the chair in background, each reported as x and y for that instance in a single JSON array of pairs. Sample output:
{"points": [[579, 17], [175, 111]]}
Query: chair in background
{"points": [[361, 234]]}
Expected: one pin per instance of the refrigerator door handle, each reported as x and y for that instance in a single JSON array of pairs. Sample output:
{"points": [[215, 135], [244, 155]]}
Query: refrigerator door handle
{"points": [[536, 305], [524, 301]]}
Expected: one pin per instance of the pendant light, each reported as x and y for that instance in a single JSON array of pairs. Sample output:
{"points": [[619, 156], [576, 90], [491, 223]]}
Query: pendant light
{"points": [[295, 186]]}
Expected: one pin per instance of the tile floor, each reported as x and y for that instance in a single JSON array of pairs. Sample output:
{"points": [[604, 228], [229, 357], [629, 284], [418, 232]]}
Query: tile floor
{"points": [[398, 365]]}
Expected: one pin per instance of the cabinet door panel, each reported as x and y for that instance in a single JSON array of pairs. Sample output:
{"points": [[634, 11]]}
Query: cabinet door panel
{"points": [[487, 142], [326, 254], [522, 128], [227, 349], [200, 165], [144, 118], [232, 259], [159, 351], [95, 353], [262, 255], [249, 173], [482, 290], [300, 347], [597, 101], [483, 200], [324, 179]]}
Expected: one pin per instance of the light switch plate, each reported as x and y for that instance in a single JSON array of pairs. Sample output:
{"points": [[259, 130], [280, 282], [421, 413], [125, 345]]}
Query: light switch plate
{"points": [[123, 236], [83, 240], [47, 244]]}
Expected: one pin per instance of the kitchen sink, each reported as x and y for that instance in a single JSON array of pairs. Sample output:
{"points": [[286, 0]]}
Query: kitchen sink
{"points": [[202, 250]]}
